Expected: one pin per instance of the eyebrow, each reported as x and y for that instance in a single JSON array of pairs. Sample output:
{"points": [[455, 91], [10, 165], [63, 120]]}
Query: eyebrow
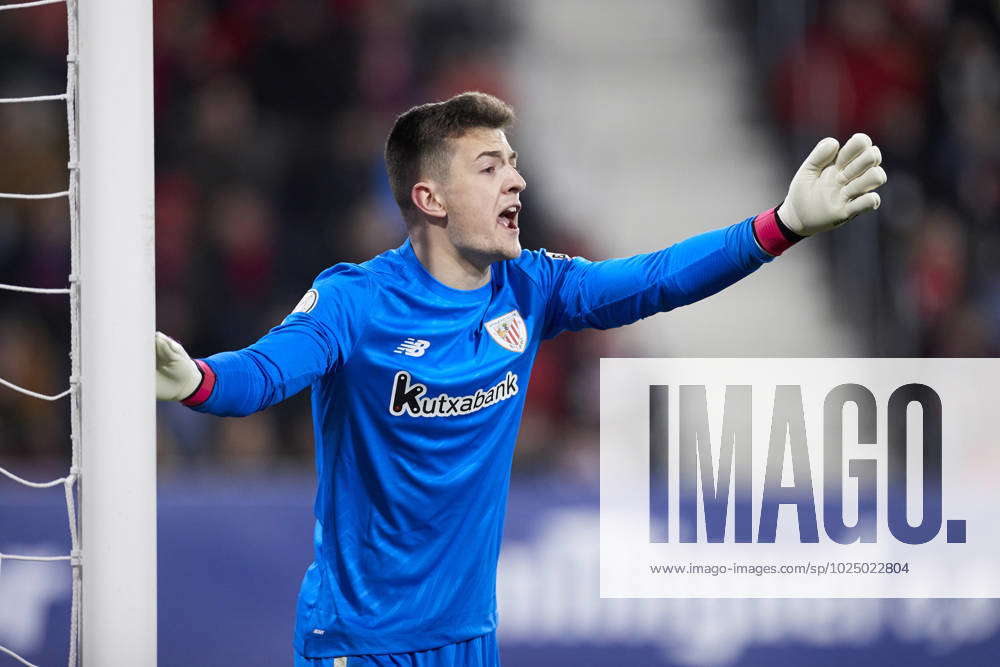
{"points": [[498, 155]]}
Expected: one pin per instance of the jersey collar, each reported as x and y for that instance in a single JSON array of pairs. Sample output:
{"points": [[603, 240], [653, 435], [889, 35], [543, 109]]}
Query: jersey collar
{"points": [[428, 281]]}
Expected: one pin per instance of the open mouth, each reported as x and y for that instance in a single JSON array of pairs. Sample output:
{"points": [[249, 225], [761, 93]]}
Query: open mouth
{"points": [[508, 217]]}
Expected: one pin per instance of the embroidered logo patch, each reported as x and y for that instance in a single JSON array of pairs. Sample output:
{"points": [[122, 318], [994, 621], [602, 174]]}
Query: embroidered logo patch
{"points": [[307, 302], [509, 331]]}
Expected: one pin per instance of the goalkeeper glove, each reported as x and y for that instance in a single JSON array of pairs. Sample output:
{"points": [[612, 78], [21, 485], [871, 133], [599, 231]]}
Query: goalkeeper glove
{"points": [[178, 377], [832, 186]]}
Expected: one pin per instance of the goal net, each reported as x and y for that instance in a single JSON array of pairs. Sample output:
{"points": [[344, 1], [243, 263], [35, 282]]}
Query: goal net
{"points": [[111, 478]]}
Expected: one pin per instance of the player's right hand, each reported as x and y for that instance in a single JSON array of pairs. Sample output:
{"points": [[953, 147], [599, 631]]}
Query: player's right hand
{"points": [[833, 185], [177, 376]]}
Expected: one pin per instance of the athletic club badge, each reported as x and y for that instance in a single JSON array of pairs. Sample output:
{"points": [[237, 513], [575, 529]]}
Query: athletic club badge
{"points": [[509, 331]]}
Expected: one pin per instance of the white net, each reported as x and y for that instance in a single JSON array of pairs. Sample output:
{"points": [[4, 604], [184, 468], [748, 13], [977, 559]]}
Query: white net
{"points": [[70, 480]]}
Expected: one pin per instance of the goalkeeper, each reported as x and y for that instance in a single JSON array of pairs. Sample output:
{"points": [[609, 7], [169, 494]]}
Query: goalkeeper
{"points": [[419, 360]]}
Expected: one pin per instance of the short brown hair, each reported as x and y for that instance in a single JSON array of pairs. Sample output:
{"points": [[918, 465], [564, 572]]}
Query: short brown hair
{"points": [[418, 143]]}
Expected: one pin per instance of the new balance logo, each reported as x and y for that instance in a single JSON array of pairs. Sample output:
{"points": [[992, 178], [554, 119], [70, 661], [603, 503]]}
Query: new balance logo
{"points": [[413, 347]]}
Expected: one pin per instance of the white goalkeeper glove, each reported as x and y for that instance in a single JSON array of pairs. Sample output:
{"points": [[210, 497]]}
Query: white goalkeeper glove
{"points": [[832, 186], [177, 376]]}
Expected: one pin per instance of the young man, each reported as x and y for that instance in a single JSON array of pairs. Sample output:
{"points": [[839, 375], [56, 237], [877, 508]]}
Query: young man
{"points": [[419, 362]]}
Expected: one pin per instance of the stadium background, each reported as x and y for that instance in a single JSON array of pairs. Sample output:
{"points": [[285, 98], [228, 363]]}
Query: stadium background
{"points": [[640, 124]]}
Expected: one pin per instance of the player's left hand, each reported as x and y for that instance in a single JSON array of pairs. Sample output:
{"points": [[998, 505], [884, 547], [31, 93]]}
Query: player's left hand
{"points": [[833, 185]]}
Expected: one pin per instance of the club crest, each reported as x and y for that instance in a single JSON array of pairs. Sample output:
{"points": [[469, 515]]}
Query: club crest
{"points": [[509, 331]]}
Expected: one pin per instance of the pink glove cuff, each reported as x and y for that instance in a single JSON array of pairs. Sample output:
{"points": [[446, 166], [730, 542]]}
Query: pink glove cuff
{"points": [[772, 235], [204, 390]]}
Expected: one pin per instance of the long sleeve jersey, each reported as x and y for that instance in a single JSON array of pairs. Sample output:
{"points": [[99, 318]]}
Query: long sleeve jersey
{"points": [[417, 395]]}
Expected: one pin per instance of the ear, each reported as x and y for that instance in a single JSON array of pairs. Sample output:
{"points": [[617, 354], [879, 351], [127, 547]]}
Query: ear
{"points": [[426, 196]]}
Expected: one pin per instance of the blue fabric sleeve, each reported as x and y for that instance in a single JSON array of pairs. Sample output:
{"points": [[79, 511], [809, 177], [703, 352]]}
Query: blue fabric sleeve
{"points": [[615, 292], [305, 346]]}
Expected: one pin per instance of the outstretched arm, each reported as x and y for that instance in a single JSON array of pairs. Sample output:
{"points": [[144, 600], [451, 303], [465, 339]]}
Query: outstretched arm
{"points": [[832, 186], [315, 339], [233, 384]]}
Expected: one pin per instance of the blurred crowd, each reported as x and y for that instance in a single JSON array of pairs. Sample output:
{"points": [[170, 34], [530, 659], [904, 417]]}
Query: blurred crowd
{"points": [[922, 77], [270, 122]]}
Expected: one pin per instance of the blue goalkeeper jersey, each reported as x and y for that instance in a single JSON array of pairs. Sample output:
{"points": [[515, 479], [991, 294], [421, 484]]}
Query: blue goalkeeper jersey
{"points": [[417, 394]]}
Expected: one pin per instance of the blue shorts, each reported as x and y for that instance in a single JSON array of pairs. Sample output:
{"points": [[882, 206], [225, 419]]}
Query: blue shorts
{"points": [[481, 651]]}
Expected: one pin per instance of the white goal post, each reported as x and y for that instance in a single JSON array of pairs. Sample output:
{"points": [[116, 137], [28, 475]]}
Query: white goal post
{"points": [[117, 310]]}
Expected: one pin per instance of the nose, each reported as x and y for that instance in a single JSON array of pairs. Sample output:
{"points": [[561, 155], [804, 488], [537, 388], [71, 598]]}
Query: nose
{"points": [[517, 183]]}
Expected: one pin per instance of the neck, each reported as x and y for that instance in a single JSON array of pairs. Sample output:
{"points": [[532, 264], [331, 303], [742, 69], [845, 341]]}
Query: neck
{"points": [[446, 263]]}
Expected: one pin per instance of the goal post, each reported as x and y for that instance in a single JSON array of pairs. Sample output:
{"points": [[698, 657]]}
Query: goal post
{"points": [[117, 320]]}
